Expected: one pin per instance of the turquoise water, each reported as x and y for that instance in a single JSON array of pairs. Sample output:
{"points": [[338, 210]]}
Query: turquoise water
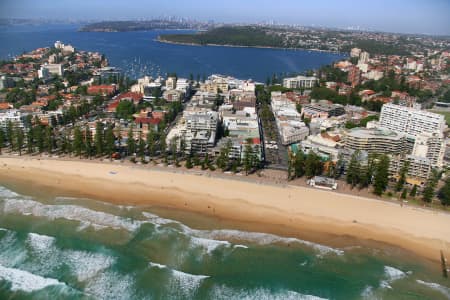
{"points": [[73, 248], [138, 54]]}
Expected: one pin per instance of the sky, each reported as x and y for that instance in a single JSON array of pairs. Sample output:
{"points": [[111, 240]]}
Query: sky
{"points": [[406, 16]]}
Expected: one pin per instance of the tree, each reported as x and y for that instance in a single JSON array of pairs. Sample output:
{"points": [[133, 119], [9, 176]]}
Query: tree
{"points": [[205, 163], [151, 142], [402, 177], [2, 140], [381, 179], [248, 153], [10, 134], [173, 149], [413, 192], [353, 169], [189, 162], [49, 139], [223, 159], [367, 172], [131, 144], [404, 193], [313, 165], [141, 147], [64, 143], [125, 110], [299, 164], [162, 144], [20, 137], [88, 148], [109, 140], [39, 137], [30, 140], [444, 192], [99, 138], [430, 186], [77, 141]]}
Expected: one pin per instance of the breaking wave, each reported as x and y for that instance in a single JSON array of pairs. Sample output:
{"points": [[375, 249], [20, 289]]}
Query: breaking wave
{"points": [[225, 292], [437, 287], [86, 217], [25, 281]]}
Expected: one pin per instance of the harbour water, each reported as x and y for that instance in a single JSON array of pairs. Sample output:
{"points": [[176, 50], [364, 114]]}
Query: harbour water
{"points": [[138, 53], [58, 247]]}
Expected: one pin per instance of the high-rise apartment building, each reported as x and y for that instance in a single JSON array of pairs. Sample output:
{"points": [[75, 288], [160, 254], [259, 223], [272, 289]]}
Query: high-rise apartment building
{"points": [[411, 121]]}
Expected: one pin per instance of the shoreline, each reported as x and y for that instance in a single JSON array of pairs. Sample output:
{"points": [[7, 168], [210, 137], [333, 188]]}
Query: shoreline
{"points": [[291, 209], [241, 46]]}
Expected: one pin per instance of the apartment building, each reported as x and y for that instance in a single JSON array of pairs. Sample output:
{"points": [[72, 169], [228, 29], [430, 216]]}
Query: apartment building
{"points": [[375, 141], [430, 146], [50, 69], [411, 121], [322, 109], [300, 82], [11, 115]]}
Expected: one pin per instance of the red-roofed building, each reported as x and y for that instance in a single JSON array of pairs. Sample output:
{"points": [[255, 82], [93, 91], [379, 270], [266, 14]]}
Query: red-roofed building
{"points": [[145, 123], [131, 96], [158, 114], [367, 95], [105, 90], [112, 107], [5, 105]]}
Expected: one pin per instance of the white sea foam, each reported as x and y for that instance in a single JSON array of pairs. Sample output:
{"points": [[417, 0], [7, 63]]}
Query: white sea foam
{"points": [[208, 244], [214, 238], [391, 274], [156, 265], [187, 283], [10, 253], [180, 282], [25, 281], [240, 246], [7, 193], [84, 264], [87, 265], [225, 292], [111, 286], [85, 216], [40, 242], [157, 220], [370, 294], [435, 286], [266, 239]]}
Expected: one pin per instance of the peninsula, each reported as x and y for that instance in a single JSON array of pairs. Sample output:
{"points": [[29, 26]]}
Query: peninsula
{"points": [[122, 26]]}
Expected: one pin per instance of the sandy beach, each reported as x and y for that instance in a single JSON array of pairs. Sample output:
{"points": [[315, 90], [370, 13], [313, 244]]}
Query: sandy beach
{"points": [[296, 210]]}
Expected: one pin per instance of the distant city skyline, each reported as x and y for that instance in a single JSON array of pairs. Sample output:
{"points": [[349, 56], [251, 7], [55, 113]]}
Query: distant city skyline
{"points": [[405, 16]]}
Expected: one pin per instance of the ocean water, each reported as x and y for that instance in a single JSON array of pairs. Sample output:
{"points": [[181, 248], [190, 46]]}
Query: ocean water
{"points": [[55, 247], [138, 54]]}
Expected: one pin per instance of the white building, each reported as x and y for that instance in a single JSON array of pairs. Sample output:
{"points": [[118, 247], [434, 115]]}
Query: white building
{"points": [[50, 69], [183, 85], [431, 146], [324, 147], [363, 58], [411, 121], [171, 83], [59, 45], [11, 115], [292, 131], [68, 49], [374, 75], [355, 52], [300, 82]]}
